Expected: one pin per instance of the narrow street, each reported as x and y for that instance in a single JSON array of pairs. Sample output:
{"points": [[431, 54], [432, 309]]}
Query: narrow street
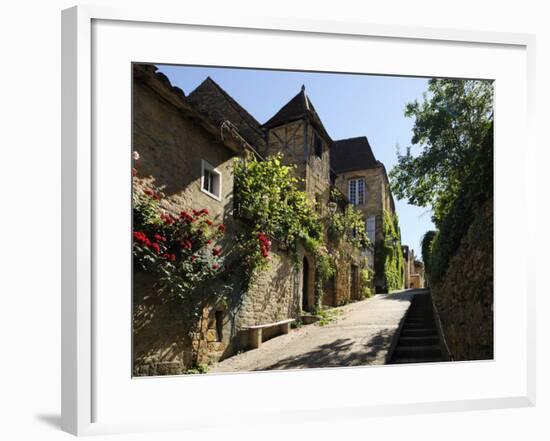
{"points": [[361, 334]]}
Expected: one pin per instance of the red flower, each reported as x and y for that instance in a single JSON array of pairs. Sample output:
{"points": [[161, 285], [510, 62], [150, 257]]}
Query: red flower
{"points": [[215, 266], [208, 222], [187, 244], [160, 238], [216, 251], [186, 216], [141, 237], [148, 192], [167, 218], [221, 228], [172, 257], [156, 247], [265, 244]]}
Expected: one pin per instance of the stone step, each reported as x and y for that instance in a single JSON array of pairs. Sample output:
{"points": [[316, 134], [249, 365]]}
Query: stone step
{"points": [[419, 325], [431, 351], [419, 332], [419, 316], [419, 341]]}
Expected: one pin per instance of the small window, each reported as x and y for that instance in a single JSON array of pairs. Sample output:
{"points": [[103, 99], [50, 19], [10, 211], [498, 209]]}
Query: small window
{"points": [[356, 191], [318, 146], [211, 181]]}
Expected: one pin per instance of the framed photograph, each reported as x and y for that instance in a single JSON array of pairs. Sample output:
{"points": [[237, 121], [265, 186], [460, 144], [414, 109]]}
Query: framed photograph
{"points": [[312, 218]]}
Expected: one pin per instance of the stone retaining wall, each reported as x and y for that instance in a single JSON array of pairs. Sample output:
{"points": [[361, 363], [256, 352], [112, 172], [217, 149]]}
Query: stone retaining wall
{"points": [[464, 298]]}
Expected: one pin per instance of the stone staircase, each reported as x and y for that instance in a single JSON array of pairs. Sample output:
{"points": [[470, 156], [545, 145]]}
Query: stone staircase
{"points": [[418, 341]]}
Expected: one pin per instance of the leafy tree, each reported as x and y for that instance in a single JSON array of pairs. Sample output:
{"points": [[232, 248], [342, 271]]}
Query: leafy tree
{"points": [[450, 127], [427, 243]]}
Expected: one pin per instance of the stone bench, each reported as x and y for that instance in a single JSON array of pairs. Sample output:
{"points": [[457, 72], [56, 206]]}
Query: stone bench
{"points": [[255, 332]]}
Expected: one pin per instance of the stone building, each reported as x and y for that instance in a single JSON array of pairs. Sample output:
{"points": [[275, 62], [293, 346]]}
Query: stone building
{"points": [[297, 131], [414, 269], [188, 145], [364, 181]]}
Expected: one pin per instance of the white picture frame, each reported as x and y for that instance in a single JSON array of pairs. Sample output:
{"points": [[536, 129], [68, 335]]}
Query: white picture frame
{"points": [[81, 380]]}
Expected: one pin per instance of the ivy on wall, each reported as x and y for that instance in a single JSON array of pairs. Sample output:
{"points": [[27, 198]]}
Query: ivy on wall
{"points": [[390, 264]]}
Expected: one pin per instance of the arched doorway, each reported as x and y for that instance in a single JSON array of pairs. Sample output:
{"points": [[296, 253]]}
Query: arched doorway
{"points": [[305, 285]]}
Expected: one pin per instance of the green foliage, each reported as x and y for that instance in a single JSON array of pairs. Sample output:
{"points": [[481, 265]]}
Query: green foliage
{"points": [[269, 201], [390, 264], [198, 369], [453, 173], [366, 275], [427, 244], [450, 127], [266, 194], [327, 316], [348, 225]]}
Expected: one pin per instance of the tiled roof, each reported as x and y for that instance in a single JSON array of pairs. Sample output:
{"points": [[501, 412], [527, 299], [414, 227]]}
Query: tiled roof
{"points": [[298, 107], [352, 154], [210, 99]]}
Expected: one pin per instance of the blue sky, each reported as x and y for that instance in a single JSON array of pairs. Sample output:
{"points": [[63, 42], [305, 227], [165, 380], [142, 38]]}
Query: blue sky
{"points": [[349, 105]]}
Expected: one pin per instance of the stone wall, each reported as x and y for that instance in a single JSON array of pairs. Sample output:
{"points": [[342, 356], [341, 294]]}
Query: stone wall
{"points": [[464, 298], [275, 293], [159, 344]]}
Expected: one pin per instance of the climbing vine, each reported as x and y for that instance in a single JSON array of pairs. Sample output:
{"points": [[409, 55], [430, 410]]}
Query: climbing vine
{"points": [[366, 276], [349, 225], [390, 265], [267, 198]]}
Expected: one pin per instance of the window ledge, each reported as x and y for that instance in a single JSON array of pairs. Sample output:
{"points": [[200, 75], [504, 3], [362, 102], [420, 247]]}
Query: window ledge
{"points": [[212, 195]]}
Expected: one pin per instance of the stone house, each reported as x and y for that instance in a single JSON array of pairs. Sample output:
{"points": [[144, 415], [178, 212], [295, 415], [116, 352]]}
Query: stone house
{"points": [[188, 145], [414, 269], [364, 181], [407, 265], [297, 131], [417, 279]]}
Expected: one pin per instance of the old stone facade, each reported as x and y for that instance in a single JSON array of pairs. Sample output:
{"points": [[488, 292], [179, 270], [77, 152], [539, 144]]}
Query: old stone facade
{"points": [[414, 270], [180, 140], [364, 181]]}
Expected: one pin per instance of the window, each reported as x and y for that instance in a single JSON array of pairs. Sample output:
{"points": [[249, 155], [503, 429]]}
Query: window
{"points": [[318, 146], [211, 181], [356, 191], [371, 228]]}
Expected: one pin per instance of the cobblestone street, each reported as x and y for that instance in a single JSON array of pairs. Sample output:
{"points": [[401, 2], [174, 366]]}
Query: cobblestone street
{"points": [[361, 335]]}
